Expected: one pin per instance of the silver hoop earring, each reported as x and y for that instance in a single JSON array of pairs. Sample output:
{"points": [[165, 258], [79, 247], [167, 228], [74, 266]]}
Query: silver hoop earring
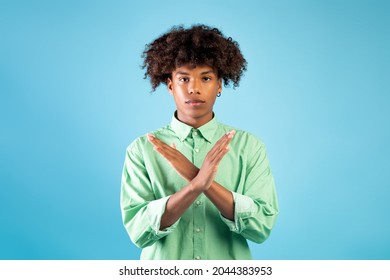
{"points": [[219, 94]]}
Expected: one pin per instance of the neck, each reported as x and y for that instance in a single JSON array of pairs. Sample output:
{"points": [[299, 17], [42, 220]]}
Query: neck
{"points": [[195, 122]]}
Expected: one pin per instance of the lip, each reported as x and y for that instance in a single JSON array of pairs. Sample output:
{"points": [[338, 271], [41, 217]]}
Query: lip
{"points": [[195, 102]]}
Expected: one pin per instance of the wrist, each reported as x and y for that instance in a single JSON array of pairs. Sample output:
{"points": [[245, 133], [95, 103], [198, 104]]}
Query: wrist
{"points": [[192, 174], [196, 186], [199, 185]]}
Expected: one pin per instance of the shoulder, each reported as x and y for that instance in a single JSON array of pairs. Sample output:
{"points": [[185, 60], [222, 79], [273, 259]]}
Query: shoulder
{"points": [[248, 146], [139, 144], [242, 137]]}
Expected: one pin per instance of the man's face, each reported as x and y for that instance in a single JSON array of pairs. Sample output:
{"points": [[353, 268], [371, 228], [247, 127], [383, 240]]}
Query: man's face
{"points": [[194, 91]]}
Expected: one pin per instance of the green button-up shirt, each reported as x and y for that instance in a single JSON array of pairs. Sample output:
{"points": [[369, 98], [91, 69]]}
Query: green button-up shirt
{"points": [[202, 232]]}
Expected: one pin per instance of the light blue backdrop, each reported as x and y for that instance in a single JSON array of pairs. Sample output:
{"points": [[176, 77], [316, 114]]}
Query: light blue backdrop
{"points": [[73, 97]]}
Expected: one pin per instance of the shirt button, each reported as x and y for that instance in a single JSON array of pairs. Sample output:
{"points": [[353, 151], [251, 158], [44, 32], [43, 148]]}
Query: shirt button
{"points": [[197, 230], [196, 150], [198, 202], [197, 257]]}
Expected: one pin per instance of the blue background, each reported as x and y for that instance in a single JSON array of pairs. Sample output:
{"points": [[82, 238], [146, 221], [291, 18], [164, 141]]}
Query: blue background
{"points": [[73, 97]]}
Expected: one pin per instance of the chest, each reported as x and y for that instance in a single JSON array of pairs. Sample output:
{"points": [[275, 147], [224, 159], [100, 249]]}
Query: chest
{"points": [[165, 180]]}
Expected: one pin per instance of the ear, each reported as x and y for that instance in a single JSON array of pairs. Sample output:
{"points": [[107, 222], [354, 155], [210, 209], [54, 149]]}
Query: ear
{"points": [[170, 86], [220, 85]]}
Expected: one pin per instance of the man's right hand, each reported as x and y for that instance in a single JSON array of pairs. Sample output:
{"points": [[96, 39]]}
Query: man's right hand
{"points": [[209, 168]]}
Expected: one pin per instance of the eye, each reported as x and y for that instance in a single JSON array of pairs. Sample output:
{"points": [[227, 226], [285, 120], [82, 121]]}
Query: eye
{"points": [[206, 79], [184, 79]]}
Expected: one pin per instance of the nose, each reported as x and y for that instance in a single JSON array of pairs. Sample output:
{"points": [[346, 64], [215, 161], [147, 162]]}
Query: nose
{"points": [[194, 87]]}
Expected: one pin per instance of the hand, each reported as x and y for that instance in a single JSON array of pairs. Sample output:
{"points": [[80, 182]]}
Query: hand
{"points": [[200, 180], [176, 159], [209, 168]]}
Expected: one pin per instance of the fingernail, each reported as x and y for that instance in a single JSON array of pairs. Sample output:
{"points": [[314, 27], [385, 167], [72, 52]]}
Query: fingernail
{"points": [[231, 133]]}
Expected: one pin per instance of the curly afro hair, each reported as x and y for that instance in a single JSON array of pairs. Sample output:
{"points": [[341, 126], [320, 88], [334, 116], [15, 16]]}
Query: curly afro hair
{"points": [[199, 44]]}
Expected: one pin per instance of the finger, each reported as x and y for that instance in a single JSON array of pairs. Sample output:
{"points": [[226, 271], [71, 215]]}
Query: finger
{"points": [[150, 136], [152, 139], [226, 138], [159, 146], [223, 142], [222, 145], [161, 151], [217, 157], [230, 135], [169, 152], [166, 149], [157, 142]]}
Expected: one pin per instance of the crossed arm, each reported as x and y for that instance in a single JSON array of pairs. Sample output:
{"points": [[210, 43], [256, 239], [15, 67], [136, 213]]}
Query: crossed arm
{"points": [[199, 180]]}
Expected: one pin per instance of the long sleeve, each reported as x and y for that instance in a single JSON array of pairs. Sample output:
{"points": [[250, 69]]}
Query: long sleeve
{"points": [[141, 211], [256, 208]]}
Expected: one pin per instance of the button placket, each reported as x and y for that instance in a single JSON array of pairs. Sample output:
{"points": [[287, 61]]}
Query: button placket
{"points": [[199, 205]]}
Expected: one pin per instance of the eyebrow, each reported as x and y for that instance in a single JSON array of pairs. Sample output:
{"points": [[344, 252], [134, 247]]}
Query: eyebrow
{"points": [[203, 73], [181, 73], [207, 72]]}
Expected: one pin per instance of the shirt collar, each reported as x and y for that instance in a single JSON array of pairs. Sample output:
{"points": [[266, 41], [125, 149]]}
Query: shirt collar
{"points": [[182, 130]]}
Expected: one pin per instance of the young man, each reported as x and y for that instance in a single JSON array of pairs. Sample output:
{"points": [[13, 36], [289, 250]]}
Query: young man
{"points": [[196, 189]]}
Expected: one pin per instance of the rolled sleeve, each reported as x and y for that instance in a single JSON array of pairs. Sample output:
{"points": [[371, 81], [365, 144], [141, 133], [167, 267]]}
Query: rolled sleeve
{"points": [[256, 207], [141, 211], [155, 210], [253, 219], [244, 207]]}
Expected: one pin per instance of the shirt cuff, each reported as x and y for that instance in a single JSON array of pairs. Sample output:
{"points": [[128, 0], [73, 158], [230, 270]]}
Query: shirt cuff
{"points": [[156, 209], [244, 207]]}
